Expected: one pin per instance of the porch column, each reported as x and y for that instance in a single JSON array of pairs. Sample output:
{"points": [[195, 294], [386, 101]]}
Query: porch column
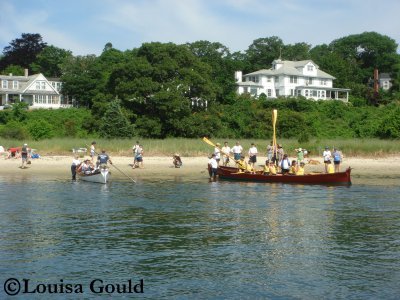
{"points": [[7, 98]]}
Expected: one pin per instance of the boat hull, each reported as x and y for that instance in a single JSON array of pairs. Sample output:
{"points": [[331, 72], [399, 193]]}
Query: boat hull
{"points": [[342, 178], [102, 176]]}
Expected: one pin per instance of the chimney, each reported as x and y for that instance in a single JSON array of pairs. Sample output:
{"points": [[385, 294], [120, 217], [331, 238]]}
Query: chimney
{"points": [[376, 81], [26, 72], [238, 76]]}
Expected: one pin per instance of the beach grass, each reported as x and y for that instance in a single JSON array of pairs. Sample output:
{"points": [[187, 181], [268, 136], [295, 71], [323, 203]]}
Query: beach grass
{"points": [[196, 147]]}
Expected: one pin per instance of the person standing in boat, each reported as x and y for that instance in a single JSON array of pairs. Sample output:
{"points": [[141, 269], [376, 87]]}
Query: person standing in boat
{"points": [[103, 159], [285, 164], [75, 164]]}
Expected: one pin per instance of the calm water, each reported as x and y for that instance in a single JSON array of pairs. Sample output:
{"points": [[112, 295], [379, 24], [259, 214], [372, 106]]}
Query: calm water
{"points": [[190, 239]]}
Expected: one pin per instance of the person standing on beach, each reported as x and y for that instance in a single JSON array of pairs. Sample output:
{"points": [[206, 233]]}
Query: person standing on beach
{"points": [[134, 150], [252, 155], [24, 155], [75, 164], [237, 151], [225, 154], [213, 167], [327, 155], [337, 159], [139, 157], [92, 150], [270, 151]]}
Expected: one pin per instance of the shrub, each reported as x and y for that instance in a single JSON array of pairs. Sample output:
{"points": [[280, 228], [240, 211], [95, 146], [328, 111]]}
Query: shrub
{"points": [[40, 129], [14, 130]]}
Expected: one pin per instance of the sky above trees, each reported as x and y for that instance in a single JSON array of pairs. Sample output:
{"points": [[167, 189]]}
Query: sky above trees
{"points": [[84, 27]]}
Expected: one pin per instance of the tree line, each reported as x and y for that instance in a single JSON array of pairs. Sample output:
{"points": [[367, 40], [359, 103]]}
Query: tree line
{"points": [[164, 89]]}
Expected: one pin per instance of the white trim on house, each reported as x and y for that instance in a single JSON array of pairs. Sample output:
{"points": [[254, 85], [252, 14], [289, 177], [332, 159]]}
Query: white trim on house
{"points": [[36, 90], [291, 78]]}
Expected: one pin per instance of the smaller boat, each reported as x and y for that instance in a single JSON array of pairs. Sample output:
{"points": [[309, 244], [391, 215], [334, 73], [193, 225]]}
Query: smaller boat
{"points": [[99, 176], [341, 178]]}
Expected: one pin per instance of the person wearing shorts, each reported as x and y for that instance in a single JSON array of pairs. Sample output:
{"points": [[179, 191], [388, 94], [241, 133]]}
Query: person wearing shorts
{"points": [[253, 155]]}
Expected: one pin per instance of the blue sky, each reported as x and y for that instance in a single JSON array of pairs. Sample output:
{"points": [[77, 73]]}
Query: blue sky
{"points": [[85, 26]]}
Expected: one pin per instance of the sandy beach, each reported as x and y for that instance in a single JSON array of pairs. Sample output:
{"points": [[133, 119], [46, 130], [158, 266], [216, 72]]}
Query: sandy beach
{"points": [[365, 170]]}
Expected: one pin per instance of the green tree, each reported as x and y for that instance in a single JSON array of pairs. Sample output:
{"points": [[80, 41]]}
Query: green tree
{"points": [[22, 51], [160, 81], [262, 52], [49, 61], [114, 123]]}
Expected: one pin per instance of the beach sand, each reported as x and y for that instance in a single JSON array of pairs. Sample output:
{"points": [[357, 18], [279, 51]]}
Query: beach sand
{"points": [[375, 171]]}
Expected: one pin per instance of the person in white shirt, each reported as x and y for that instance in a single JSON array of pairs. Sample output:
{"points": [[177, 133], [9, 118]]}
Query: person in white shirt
{"points": [[237, 151], [217, 152], [327, 155], [75, 163], [225, 154], [213, 167], [253, 155]]}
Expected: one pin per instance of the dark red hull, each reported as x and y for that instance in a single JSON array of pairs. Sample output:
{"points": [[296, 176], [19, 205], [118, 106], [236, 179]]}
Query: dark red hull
{"points": [[342, 178]]}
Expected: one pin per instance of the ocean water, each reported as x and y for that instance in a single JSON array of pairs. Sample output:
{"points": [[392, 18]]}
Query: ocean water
{"points": [[191, 239]]}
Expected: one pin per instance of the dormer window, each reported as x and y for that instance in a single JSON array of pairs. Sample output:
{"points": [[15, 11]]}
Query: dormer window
{"points": [[310, 68]]}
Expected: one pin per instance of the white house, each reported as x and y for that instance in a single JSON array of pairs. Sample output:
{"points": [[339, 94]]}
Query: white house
{"points": [[291, 78], [385, 81], [36, 90]]}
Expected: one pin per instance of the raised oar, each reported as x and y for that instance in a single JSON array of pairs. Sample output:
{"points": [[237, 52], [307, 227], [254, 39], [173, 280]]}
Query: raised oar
{"points": [[206, 140], [117, 168], [274, 117]]}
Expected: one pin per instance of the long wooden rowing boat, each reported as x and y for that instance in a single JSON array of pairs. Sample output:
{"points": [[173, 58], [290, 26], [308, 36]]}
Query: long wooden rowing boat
{"points": [[230, 173], [100, 176]]}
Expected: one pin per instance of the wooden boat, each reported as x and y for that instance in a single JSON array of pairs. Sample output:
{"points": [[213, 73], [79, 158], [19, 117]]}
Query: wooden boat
{"points": [[100, 176], [341, 178]]}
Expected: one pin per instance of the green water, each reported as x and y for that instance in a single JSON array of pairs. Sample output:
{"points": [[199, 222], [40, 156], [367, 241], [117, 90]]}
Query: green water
{"points": [[190, 239]]}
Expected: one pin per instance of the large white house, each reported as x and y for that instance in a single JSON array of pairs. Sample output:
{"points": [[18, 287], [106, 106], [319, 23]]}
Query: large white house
{"points": [[36, 90], [291, 78]]}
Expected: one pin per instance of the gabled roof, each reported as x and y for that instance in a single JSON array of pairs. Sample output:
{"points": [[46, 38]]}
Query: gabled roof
{"points": [[290, 68]]}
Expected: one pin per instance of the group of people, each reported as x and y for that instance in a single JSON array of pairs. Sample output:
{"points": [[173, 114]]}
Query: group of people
{"points": [[87, 166], [277, 160], [337, 158]]}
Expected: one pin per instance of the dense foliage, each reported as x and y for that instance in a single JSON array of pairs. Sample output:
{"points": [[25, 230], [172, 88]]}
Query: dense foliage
{"points": [[169, 90]]}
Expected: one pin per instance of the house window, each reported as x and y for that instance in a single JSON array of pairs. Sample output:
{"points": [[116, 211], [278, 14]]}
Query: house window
{"points": [[293, 79], [322, 94], [269, 79], [15, 85], [269, 93], [306, 93], [291, 92], [43, 85], [245, 90], [298, 92], [310, 68], [4, 84], [324, 82], [253, 91], [314, 93], [277, 93], [37, 85], [309, 81]]}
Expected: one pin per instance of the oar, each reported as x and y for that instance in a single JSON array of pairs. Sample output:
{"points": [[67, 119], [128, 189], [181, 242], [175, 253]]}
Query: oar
{"points": [[117, 168], [274, 118], [212, 144]]}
